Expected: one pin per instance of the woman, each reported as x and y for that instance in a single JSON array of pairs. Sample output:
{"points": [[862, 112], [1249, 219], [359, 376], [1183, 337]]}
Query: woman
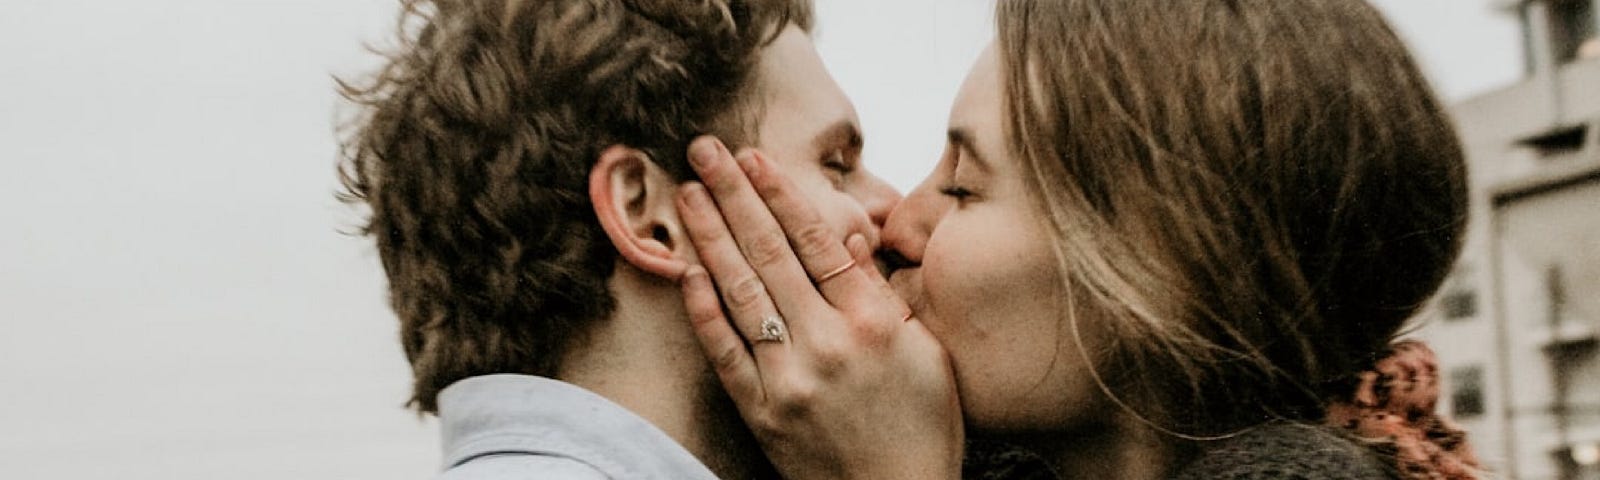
{"points": [[1164, 239]]}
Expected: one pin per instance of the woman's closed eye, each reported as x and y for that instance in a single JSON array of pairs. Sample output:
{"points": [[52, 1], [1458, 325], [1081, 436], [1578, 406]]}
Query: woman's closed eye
{"points": [[958, 192]]}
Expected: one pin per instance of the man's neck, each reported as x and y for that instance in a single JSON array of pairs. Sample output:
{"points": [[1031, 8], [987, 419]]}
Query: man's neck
{"points": [[645, 358]]}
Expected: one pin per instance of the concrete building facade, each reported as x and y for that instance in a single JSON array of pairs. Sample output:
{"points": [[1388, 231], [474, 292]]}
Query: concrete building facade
{"points": [[1517, 326]]}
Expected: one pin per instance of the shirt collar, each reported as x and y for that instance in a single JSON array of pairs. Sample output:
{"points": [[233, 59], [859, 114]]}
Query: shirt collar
{"points": [[524, 414]]}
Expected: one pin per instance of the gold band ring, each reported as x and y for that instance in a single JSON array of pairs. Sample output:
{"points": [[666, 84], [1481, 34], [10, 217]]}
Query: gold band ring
{"points": [[836, 272]]}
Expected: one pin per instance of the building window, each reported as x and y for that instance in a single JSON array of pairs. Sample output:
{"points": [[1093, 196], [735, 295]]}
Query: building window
{"points": [[1560, 143], [1466, 391], [1459, 304], [1459, 300], [1572, 30], [1556, 293]]}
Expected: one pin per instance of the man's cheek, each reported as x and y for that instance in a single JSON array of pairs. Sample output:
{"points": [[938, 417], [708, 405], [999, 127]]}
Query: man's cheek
{"points": [[819, 193], [839, 210]]}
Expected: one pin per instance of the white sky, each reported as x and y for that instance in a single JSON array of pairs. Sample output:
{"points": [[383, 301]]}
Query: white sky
{"points": [[177, 300]]}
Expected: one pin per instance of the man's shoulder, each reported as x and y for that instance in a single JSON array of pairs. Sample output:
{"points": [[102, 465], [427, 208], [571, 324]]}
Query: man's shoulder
{"points": [[522, 466]]}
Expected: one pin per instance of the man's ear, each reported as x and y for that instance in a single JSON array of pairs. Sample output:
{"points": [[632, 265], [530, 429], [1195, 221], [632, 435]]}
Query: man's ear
{"points": [[633, 198]]}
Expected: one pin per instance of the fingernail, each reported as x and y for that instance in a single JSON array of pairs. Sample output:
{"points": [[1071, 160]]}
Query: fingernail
{"points": [[747, 162], [702, 152], [694, 274], [694, 195], [856, 245], [691, 277]]}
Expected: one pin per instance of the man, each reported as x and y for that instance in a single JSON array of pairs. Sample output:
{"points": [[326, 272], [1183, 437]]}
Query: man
{"points": [[520, 160]]}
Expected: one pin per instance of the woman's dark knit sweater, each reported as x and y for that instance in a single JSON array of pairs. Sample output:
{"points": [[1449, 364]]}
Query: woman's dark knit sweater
{"points": [[1274, 451]]}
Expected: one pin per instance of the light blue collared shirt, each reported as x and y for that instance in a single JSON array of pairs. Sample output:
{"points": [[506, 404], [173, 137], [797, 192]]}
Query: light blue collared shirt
{"points": [[509, 426]]}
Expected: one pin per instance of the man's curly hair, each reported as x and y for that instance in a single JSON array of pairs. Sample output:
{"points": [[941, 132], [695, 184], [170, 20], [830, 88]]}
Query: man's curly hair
{"points": [[474, 143]]}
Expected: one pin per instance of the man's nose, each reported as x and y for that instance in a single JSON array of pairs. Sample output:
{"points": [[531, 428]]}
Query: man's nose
{"points": [[878, 198]]}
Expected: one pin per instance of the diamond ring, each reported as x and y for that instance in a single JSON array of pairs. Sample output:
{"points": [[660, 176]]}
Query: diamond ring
{"points": [[772, 330]]}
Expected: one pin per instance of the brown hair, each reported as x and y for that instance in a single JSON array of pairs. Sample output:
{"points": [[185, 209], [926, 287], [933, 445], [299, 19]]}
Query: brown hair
{"points": [[1252, 196], [474, 145]]}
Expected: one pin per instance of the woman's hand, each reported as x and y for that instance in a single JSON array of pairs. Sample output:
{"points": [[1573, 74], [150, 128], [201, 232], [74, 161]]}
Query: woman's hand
{"points": [[824, 361]]}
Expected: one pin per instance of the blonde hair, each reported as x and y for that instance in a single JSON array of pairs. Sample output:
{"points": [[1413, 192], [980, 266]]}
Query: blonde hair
{"points": [[1250, 197]]}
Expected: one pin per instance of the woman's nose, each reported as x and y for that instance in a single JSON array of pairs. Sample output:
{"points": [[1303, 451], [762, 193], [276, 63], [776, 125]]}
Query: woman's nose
{"points": [[906, 231]]}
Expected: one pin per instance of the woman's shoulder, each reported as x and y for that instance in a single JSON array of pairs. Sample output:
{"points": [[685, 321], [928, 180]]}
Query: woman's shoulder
{"points": [[1286, 451]]}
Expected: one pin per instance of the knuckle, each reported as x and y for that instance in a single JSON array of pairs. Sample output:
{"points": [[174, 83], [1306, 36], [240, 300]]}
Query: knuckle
{"points": [[831, 357], [700, 314], [719, 178], [746, 293], [796, 399], [871, 335], [767, 427], [768, 186], [726, 358], [702, 307], [766, 250], [812, 239], [707, 234]]}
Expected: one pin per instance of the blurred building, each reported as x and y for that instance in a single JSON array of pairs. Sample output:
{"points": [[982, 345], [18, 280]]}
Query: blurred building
{"points": [[1517, 326]]}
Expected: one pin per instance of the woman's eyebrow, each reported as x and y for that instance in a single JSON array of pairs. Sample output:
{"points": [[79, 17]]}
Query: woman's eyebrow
{"points": [[962, 139]]}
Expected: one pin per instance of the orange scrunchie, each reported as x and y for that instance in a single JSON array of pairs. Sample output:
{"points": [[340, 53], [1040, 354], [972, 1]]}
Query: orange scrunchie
{"points": [[1394, 405]]}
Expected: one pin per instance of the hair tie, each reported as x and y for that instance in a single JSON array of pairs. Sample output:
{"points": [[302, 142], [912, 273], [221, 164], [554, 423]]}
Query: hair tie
{"points": [[1393, 409]]}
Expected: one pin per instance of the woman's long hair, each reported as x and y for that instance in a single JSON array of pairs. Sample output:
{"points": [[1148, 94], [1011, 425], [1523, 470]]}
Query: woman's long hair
{"points": [[1249, 197]]}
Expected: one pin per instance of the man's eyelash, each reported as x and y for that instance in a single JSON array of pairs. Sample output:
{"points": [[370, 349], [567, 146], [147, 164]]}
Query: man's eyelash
{"points": [[835, 161]]}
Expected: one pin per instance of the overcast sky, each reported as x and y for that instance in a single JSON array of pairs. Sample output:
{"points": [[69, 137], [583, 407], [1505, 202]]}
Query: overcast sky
{"points": [[178, 302]]}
